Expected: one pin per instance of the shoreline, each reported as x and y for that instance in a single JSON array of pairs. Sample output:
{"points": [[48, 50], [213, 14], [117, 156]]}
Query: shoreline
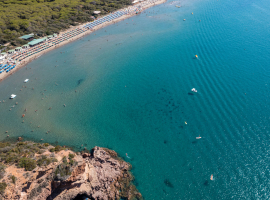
{"points": [[26, 61]]}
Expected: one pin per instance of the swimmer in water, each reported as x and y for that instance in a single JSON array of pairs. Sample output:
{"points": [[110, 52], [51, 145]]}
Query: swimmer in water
{"points": [[127, 156]]}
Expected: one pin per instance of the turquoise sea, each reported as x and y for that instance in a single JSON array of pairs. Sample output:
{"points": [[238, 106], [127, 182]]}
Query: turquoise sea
{"points": [[128, 87]]}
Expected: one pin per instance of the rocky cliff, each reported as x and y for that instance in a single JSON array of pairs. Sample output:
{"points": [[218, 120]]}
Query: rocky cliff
{"points": [[99, 174]]}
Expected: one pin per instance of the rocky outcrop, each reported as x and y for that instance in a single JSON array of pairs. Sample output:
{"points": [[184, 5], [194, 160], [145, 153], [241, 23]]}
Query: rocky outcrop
{"points": [[100, 175]]}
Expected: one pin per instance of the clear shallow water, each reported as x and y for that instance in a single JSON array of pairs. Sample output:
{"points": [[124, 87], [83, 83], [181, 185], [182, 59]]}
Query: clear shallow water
{"points": [[132, 95]]}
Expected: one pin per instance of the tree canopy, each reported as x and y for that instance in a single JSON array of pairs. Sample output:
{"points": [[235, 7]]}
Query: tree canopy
{"points": [[44, 17]]}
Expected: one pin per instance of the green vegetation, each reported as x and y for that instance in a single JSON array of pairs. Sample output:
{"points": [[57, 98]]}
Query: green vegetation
{"points": [[12, 153], [57, 149], [70, 156], [13, 178], [3, 186], [2, 170], [4, 144], [46, 144], [36, 191], [25, 155], [44, 161], [44, 17], [63, 171], [27, 163]]}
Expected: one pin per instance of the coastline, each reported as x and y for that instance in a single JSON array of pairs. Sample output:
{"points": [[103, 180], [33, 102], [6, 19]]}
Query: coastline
{"points": [[42, 171], [79, 36]]}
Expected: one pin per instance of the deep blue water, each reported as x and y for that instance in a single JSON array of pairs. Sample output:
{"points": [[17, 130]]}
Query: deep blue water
{"points": [[127, 87]]}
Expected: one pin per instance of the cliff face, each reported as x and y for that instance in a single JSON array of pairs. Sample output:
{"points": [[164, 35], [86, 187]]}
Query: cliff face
{"points": [[96, 175]]}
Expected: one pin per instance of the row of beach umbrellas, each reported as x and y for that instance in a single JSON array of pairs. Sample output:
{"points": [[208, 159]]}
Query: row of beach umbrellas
{"points": [[72, 33]]}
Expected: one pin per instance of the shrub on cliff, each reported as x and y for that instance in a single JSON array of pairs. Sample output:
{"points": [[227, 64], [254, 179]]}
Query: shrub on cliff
{"points": [[64, 159], [2, 170], [46, 144], [4, 144], [27, 163], [5, 147], [58, 148], [37, 190], [64, 170], [20, 143], [3, 186], [11, 158], [44, 161], [13, 178], [70, 156]]}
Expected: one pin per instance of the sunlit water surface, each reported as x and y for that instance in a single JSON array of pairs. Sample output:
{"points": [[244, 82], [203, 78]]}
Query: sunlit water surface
{"points": [[128, 87]]}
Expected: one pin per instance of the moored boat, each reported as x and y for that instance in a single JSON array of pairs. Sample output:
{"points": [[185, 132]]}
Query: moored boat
{"points": [[194, 90], [12, 96]]}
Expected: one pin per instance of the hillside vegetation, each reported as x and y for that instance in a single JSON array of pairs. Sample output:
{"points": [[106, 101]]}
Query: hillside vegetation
{"points": [[44, 17]]}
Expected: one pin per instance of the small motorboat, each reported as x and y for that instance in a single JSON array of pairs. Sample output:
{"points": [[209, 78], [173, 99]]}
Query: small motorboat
{"points": [[196, 56], [185, 122], [198, 137], [194, 90], [211, 177], [184, 19], [13, 96], [26, 80]]}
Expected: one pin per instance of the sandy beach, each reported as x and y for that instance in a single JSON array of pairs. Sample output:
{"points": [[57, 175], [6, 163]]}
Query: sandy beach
{"points": [[143, 5]]}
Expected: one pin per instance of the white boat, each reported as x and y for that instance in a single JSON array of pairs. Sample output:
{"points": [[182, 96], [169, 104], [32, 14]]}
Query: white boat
{"points": [[198, 138], [26, 80], [194, 90], [13, 96]]}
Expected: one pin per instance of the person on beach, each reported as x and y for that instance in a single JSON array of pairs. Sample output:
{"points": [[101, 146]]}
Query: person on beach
{"points": [[23, 56]]}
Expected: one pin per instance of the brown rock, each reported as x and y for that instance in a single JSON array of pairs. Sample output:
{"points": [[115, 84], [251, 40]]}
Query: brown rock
{"points": [[116, 184], [85, 155], [99, 175]]}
